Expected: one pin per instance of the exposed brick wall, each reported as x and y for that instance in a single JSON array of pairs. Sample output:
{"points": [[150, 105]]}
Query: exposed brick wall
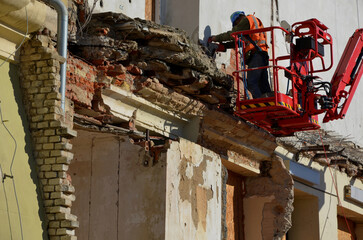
{"points": [[51, 131], [81, 80], [85, 81]]}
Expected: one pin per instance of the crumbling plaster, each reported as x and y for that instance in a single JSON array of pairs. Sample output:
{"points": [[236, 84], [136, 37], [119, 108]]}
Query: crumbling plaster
{"points": [[268, 201], [193, 192]]}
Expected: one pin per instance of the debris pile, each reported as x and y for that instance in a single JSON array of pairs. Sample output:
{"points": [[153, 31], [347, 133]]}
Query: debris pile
{"points": [[132, 52]]}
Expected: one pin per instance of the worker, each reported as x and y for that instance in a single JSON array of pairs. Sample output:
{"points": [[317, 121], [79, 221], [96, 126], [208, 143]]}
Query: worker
{"points": [[255, 51]]}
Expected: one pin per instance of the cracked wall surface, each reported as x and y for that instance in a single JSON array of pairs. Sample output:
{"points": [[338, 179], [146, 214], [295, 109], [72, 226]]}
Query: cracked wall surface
{"points": [[270, 195], [193, 192]]}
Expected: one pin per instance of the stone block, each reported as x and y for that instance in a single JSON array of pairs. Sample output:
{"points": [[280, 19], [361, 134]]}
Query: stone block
{"points": [[43, 154], [48, 188], [51, 231], [51, 217], [36, 84], [37, 118], [43, 125], [49, 69], [51, 102], [64, 188], [67, 132], [55, 181], [31, 57], [64, 160], [32, 90], [56, 153], [61, 195], [58, 209], [40, 161], [44, 182], [68, 237], [62, 175], [52, 116], [48, 146], [65, 231], [33, 125], [66, 216], [28, 51], [48, 203], [50, 175], [38, 147], [63, 146], [46, 90], [45, 168], [39, 97], [37, 104], [54, 95], [60, 167], [43, 76], [42, 110], [63, 202], [31, 77], [49, 132], [51, 83], [40, 174], [46, 195], [69, 224], [43, 63], [56, 109], [55, 238], [55, 195], [54, 224], [53, 62], [55, 124], [54, 76], [55, 139], [49, 160], [41, 139]]}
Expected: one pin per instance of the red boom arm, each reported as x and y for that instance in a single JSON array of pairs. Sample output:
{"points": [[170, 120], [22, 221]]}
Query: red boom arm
{"points": [[346, 77]]}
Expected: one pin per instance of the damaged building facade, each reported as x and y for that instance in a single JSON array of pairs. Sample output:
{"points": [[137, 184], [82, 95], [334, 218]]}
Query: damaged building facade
{"points": [[147, 146]]}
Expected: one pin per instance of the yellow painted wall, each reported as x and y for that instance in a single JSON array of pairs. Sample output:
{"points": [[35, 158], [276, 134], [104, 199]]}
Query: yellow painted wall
{"points": [[23, 167], [305, 218]]}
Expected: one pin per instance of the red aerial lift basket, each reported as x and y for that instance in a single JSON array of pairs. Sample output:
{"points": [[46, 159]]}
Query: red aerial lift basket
{"points": [[282, 114]]}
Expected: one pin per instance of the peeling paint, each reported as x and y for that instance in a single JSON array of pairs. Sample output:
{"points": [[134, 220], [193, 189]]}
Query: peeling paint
{"points": [[191, 189]]}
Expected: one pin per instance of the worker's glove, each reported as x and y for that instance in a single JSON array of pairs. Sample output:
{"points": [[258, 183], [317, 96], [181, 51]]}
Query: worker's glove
{"points": [[221, 48]]}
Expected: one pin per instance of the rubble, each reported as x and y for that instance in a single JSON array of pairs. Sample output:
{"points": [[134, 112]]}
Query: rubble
{"points": [[337, 151], [133, 50]]}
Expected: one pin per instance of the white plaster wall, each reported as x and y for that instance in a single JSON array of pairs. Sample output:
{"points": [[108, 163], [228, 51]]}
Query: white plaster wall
{"points": [[181, 14], [131, 8], [192, 171]]}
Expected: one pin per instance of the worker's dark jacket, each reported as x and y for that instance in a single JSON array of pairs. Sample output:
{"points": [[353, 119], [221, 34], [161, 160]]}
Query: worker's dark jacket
{"points": [[249, 22]]}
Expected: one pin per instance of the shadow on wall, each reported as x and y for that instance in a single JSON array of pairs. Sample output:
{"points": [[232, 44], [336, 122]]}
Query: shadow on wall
{"points": [[207, 34], [15, 81]]}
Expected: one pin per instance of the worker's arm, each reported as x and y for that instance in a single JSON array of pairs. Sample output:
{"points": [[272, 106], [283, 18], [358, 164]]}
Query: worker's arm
{"points": [[244, 24]]}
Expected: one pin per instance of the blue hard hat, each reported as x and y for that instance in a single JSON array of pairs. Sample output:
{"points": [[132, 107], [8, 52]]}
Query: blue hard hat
{"points": [[235, 15]]}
